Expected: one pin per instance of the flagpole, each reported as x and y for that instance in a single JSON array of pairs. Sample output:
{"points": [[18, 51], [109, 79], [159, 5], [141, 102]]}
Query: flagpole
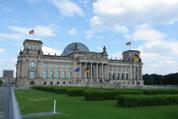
{"points": [[129, 45], [34, 32]]}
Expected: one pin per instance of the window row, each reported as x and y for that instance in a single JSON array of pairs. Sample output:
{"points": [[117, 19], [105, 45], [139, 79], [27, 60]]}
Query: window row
{"points": [[56, 66], [52, 75], [32, 47], [119, 76]]}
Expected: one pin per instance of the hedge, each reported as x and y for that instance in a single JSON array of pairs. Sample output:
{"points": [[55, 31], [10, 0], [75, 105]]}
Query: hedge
{"points": [[160, 91], [145, 100], [99, 95], [107, 94], [75, 92], [55, 89]]}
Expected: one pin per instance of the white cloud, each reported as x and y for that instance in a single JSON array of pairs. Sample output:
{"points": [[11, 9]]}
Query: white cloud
{"points": [[96, 22], [159, 62], [12, 36], [147, 34], [40, 31], [68, 7], [121, 29], [158, 52], [89, 33], [110, 13], [2, 50], [19, 33], [137, 11], [52, 51], [116, 55], [72, 31]]}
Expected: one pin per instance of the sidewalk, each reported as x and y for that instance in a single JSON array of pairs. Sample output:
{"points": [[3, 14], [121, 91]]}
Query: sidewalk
{"points": [[2, 103]]}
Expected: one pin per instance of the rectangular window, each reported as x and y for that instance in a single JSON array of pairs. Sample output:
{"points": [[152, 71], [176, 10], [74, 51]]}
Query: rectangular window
{"points": [[51, 65], [118, 76], [32, 75], [44, 65], [69, 73], [57, 66], [32, 64], [127, 76], [122, 76]]}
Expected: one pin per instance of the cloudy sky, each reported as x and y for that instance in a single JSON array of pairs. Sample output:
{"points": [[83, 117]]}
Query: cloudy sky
{"points": [[151, 26]]}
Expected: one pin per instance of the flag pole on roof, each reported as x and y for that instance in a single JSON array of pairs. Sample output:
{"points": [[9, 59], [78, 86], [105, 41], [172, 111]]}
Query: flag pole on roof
{"points": [[32, 32], [128, 44]]}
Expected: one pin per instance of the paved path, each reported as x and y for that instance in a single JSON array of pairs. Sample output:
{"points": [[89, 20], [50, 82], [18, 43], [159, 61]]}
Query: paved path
{"points": [[41, 114], [4, 102]]}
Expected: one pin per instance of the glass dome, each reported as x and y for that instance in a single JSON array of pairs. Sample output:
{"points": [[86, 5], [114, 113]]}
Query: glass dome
{"points": [[76, 46]]}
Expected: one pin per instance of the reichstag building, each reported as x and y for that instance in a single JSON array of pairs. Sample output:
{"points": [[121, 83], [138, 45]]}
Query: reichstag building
{"points": [[77, 66]]}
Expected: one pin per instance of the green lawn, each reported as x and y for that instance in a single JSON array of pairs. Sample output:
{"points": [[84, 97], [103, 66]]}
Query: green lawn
{"points": [[77, 108]]}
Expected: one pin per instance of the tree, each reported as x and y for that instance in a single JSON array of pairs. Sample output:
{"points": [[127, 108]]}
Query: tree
{"points": [[155, 79], [1, 82]]}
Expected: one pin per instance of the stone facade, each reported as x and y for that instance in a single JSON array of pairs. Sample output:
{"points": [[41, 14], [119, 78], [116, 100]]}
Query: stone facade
{"points": [[77, 66]]}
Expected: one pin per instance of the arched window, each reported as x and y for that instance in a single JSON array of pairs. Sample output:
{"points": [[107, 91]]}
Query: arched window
{"points": [[51, 74], [64, 74], [44, 74], [58, 75]]}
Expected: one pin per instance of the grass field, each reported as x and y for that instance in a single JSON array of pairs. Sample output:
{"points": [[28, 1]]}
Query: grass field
{"points": [[77, 108]]}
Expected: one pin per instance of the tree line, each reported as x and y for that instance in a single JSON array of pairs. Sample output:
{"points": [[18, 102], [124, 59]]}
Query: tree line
{"points": [[155, 79]]}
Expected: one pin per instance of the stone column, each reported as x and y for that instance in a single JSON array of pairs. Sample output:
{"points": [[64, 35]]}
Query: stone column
{"points": [[102, 71], [91, 71], [96, 71], [85, 73], [80, 71]]}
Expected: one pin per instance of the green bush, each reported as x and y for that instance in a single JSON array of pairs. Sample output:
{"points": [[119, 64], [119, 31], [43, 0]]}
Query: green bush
{"points": [[60, 90], [99, 95], [145, 100], [160, 91], [75, 92], [108, 94], [129, 92]]}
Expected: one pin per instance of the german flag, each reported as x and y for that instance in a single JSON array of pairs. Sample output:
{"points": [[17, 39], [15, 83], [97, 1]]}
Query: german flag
{"points": [[31, 32], [87, 69]]}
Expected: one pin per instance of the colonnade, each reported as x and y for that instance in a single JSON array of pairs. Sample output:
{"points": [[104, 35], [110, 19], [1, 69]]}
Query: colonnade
{"points": [[93, 70]]}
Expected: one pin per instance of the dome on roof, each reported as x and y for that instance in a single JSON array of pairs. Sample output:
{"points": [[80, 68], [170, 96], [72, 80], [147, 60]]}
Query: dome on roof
{"points": [[74, 47]]}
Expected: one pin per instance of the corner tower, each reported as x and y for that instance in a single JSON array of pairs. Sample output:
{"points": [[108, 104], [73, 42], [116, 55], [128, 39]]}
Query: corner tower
{"points": [[33, 47], [135, 66]]}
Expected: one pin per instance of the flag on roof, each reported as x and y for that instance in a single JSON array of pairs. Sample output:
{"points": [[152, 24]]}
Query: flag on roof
{"points": [[128, 43], [31, 32]]}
